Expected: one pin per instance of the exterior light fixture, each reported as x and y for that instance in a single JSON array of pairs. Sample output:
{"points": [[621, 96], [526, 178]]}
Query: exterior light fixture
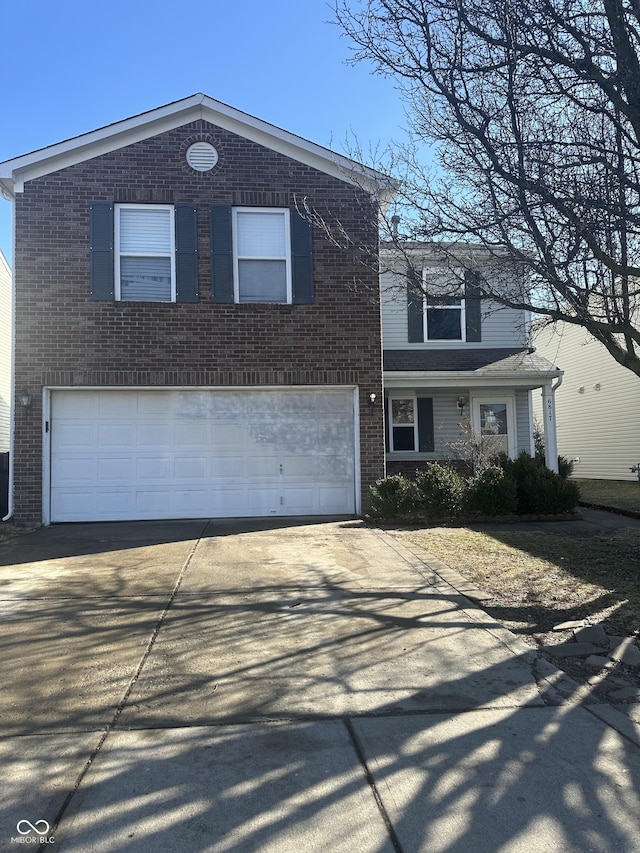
{"points": [[25, 398], [461, 403], [372, 399]]}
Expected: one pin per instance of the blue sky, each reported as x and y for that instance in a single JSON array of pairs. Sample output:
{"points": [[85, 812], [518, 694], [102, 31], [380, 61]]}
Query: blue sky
{"points": [[70, 67]]}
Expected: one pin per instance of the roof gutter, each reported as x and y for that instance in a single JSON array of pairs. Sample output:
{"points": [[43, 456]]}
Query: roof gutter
{"points": [[12, 405]]}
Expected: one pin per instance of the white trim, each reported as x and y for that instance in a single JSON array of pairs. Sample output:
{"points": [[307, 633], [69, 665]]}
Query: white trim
{"points": [[15, 172], [117, 208], [275, 211], [12, 380], [46, 456], [357, 474], [470, 378]]}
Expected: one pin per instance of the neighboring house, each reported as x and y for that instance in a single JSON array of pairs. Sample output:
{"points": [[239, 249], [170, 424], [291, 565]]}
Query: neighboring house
{"points": [[456, 367], [191, 345], [598, 405], [5, 353]]}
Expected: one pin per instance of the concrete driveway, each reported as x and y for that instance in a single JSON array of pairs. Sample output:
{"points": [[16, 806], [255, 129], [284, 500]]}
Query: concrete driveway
{"points": [[299, 686]]}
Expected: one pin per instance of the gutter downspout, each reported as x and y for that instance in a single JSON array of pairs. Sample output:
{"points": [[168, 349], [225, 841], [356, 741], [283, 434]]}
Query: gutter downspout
{"points": [[12, 407], [550, 433]]}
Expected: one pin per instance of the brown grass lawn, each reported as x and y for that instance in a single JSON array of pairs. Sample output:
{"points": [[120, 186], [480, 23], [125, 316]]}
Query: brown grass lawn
{"points": [[615, 493], [540, 579]]}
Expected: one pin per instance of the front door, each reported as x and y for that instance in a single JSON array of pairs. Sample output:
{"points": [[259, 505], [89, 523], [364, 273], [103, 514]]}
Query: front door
{"points": [[494, 420]]}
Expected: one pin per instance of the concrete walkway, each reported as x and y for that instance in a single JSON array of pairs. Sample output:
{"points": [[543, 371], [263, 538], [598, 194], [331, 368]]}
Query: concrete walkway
{"points": [[261, 686]]}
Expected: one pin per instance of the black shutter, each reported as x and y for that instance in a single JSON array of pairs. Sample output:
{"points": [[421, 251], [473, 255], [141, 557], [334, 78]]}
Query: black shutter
{"points": [[221, 253], [302, 259], [101, 248], [473, 307], [415, 314], [425, 425], [186, 253]]}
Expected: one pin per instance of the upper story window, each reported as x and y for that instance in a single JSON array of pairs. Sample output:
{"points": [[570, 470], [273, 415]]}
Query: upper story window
{"points": [[262, 255], [144, 258], [444, 318], [436, 312], [149, 253]]}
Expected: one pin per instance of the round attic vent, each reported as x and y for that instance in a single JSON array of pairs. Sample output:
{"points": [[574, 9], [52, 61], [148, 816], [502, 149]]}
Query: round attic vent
{"points": [[202, 156]]}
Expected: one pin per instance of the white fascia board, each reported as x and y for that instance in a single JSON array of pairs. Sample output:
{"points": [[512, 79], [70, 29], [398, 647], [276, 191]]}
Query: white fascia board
{"points": [[469, 379], [14, 173]]}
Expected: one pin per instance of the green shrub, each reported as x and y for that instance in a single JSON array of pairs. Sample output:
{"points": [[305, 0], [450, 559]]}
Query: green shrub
{"points": [[393, 497], [442, 492], [565, 466], [539, 490], [492, 492]]}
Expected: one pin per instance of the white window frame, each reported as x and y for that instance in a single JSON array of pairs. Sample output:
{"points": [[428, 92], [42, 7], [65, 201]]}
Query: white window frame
{"points": [[116, 243], [275, 211], [427, 275], [416, 436]]}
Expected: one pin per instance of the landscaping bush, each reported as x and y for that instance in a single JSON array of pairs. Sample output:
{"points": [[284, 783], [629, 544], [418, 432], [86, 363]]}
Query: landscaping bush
{"points": [[565, 466], [492, 492], [393, 497], [441, 491], [539, 490]]}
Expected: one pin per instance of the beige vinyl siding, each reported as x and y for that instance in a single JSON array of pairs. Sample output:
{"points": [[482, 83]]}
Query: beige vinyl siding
{"points": [[501, 327], [5, 352], [599, 427]]}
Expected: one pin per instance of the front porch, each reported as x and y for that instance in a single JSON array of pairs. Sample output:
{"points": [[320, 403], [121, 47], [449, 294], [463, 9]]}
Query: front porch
{"points": [[458, 415]]}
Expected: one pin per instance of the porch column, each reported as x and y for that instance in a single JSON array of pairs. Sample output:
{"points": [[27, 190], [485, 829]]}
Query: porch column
{"points": [[550, 437]]}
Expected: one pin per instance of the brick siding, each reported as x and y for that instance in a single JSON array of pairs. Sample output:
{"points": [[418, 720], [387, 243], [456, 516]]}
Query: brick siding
{"points": [[64, 339]]}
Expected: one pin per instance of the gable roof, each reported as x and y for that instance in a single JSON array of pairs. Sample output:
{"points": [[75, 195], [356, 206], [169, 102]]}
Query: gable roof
{"points": [[16, 172]]}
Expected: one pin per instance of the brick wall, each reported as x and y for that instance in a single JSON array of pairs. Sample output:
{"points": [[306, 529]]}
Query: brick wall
{"points": [[65, 339]]}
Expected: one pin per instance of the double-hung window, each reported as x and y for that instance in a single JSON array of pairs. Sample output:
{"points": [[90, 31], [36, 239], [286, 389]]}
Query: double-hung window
{"points": [[437, 310], [145, 253], [262, 255], [444, 318], [410, 424], [404, 423]]}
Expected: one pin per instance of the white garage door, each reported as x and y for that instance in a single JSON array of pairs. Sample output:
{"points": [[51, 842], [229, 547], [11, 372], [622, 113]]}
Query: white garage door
{"points": [[201, 454]]}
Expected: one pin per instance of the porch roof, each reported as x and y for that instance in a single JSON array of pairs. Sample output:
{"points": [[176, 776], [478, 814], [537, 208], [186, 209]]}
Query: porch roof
{"points": [[468, 367]]}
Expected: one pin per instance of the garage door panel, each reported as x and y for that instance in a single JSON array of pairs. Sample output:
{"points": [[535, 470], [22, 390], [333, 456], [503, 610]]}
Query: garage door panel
{"points": [[144, 454], [75, 469], [159, 403], [117, 503], [263, 467], [154, 435], [116, 468], [298, 466], [67, 435], [231, 467], [229, 436], [192, 468], [331, 498], [153, 468], [120, 404], [115, 435], [192, 434]]}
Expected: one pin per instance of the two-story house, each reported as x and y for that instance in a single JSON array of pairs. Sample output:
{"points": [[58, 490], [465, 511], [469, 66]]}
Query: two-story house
{"points": [[187, 344], [190, 342], [459, 369]]}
